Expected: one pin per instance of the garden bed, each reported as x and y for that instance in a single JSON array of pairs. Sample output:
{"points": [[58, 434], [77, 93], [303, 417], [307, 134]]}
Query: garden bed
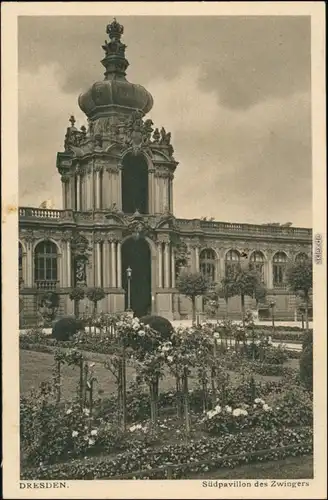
{"points": [[135, 405], [182, 459]]}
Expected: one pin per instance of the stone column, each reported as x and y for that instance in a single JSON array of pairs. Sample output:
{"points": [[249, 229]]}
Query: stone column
{"points": [[167, 265], [113, 259], [156, 191], [160, 264], [118, 200], [166, 197], [269, 273], [64, 195], [89, 191], [172, 268], [105, 259], [150, 191], [24, 267], [197, 259], [222, 263], [110, 190], [69, 264], [78, 192], [98, 195], [72, 193], [160, 195], [98, 264], [69, 192], [171, 194], [84, 192], [30, 266], [119, 264], [60, 265]]}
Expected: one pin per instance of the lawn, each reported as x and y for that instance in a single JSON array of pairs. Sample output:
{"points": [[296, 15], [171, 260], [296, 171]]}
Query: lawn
{"points": [[36, 367]]}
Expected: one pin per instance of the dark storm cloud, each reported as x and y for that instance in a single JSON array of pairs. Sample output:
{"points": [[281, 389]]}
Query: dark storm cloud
{"points": [[244, 60]]}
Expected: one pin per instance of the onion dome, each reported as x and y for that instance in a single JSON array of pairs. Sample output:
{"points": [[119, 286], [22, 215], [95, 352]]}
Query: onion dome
{"points": [[114, 91]]}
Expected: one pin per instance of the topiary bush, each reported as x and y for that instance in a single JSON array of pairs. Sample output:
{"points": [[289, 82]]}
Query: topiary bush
{"points": [[65, 328], [162, 325]]}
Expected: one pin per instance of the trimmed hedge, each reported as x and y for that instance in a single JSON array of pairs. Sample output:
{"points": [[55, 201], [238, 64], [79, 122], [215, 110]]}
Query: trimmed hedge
{"points": [[306, 367], [282, 328], [225, 451]]}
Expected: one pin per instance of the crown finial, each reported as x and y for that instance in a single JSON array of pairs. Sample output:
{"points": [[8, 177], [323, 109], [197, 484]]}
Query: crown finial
{"points": [[115, 30], [114, 61]]}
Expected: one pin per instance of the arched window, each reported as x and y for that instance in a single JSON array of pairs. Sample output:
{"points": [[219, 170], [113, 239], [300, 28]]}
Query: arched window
{"points": [[301, 257], [232, 262], [279, 268], [257, 263], [207, 263], [20, 264], [46, 265]]}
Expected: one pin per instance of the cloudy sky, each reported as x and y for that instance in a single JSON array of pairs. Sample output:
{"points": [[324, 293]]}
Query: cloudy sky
{"points": [[234, 91]]}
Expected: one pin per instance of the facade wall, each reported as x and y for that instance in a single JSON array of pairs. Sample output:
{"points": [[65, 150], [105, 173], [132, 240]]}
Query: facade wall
{"points": [[104, 265]]}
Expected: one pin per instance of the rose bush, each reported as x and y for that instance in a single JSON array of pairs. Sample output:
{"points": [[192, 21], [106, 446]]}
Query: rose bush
{"points": [[288, 409]]}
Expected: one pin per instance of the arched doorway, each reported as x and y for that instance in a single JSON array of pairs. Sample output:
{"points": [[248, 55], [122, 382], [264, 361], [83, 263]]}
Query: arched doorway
{"points": [[136, 256], [134, 184]]}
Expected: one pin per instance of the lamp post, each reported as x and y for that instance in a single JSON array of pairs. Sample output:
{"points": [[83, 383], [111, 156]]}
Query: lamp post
{"points": [[129, 276], [272, 306]]}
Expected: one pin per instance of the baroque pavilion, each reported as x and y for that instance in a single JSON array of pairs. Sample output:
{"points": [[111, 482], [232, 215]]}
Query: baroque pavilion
{"points": [[117, 213]]}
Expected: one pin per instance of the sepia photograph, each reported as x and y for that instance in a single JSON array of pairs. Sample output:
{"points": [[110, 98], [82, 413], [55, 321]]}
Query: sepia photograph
{"points": [[166, 252]]}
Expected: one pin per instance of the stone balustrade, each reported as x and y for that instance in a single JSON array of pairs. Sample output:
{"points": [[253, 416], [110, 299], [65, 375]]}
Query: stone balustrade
{"points": [[253, 229], [213, 227]]}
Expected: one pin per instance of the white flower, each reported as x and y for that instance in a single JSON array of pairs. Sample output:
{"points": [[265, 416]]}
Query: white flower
{"points": [[69, 411], [259, 401], [244, 412], [237, 412], [91, 442], [228, 409], [216, 335], [266, 407], [75, 434], [94, 432], [141, 333], [86, 411], [170, 359], [135, 427], [218, 409]]}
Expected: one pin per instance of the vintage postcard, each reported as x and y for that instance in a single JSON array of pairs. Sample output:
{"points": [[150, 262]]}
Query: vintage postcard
{"points": [[164, 250]]}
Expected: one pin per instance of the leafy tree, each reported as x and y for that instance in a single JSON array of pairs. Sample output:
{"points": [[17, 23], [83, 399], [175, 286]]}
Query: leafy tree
{"points": [[76, 295], [243, 282], [226, 289], [299, 280], [192, 285], [49, 304], [95, 295], [260, 293]]}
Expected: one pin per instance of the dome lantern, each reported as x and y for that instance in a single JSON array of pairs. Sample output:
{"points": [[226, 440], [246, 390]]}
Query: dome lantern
{"points": [[114, 93]]}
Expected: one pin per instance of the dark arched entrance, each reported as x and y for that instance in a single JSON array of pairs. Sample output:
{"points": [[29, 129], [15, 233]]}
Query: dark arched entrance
{"points": [[136, 255], [134, 184]]}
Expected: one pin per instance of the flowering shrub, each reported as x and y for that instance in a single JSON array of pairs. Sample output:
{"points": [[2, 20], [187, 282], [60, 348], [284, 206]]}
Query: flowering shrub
{"points": [[49, 433], [202, 454], [290, 409]]}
